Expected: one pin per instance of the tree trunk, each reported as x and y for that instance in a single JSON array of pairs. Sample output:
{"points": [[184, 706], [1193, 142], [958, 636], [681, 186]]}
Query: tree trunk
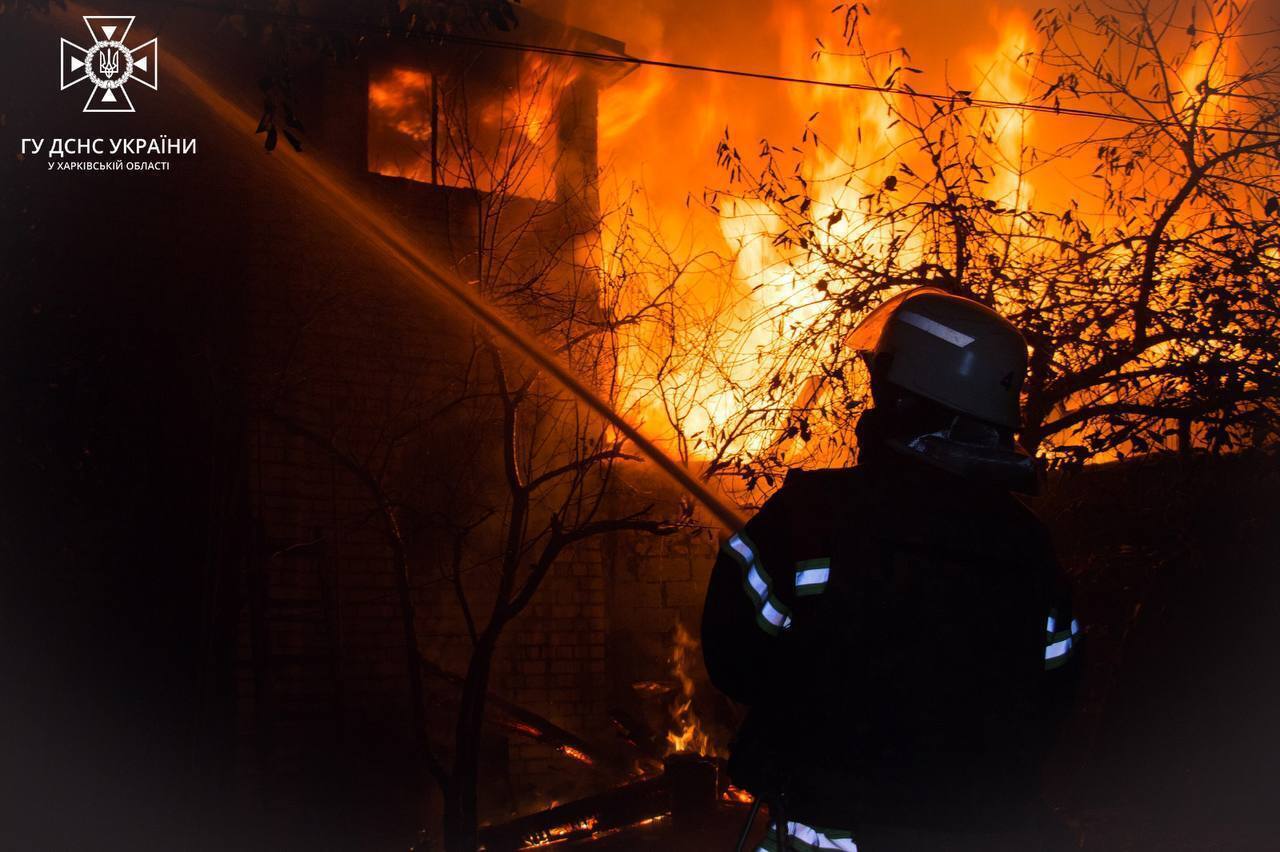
{"points": [[1031, 436], [461, 812], [1185, 441], [409, 632]]}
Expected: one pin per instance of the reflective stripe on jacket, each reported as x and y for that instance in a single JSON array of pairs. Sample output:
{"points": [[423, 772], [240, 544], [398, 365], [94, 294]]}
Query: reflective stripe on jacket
{"points": [[903, 641]]}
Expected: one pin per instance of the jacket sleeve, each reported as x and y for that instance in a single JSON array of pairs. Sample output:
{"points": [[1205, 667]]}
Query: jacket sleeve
{"points": [[1062, 637], [1063, 649], [744, 618]]}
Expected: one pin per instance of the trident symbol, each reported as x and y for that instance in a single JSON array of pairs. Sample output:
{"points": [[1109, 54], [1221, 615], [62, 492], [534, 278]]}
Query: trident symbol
{"points": [[110, 63]]}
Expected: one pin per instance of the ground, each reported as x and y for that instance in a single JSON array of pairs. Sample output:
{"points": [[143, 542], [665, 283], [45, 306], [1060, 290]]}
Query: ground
{"points": [[1173, 745]]}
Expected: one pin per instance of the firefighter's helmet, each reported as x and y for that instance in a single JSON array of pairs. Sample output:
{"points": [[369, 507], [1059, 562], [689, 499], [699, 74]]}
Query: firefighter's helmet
{"points": [[949, 349]]}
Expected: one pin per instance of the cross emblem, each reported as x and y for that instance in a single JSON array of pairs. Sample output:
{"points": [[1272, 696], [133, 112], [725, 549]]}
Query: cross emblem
{"points": [[109, 64]]}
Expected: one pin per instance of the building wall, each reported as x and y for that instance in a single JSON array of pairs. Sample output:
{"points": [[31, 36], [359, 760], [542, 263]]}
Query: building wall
{"points": [[353, 352], [243, 574]]}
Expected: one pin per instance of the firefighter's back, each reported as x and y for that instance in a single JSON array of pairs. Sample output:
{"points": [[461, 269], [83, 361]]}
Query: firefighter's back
{"points": [[897, 628], [908, 686]]}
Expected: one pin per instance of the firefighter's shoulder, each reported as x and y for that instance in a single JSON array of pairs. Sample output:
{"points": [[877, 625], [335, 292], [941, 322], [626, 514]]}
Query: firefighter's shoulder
{"points": [[817, 488], [1024, 517], [801, 480], [808, 476]]}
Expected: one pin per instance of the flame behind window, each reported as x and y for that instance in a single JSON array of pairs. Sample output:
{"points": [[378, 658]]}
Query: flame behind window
{"points": [[492, 135], [401, 131]]}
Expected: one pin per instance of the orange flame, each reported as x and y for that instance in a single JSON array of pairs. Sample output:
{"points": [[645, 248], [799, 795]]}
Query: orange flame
{"points": [[663, 125], [558, 834], [776, 290], [686, 732], [500, 137], [576, 754]]}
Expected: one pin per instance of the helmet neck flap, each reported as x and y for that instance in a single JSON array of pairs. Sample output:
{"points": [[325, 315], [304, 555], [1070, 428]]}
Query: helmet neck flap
{"points": [[976, 457], [960, 445]]}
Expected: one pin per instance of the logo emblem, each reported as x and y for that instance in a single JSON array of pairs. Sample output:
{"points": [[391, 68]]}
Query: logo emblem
{"points": [[109, 64]]}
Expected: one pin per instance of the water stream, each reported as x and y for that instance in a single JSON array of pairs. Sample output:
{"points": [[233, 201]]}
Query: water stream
{"points": [[330, 193]]}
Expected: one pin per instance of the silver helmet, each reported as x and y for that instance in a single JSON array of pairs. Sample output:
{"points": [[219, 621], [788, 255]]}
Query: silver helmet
{"points": [[949, 349]]}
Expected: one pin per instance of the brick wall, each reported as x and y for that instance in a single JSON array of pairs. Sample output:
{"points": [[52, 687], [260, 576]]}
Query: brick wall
{"points": [[252, 289], [339, 341]]}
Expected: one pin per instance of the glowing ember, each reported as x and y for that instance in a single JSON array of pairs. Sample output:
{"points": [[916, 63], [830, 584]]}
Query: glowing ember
{"points": [[561, 833], [585, 830], [651, 687], [526, 729], [576, 754]]}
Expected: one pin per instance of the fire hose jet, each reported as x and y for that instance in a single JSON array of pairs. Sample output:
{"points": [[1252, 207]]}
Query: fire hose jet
{"points": [[343, 202], [913, 575]]}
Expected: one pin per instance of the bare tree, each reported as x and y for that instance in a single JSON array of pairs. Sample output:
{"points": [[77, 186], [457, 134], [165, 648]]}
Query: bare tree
{"points": [[470, 450], [1149, 306]]}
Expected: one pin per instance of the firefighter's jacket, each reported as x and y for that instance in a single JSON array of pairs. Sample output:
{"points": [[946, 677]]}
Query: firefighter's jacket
{"points": [[903, 642]]}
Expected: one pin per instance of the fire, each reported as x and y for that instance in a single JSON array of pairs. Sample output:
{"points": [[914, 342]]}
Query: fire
{"points": [[576, 754], [526, 729], [790, 283], [561, 833], [661, 125], [496, 133], [400, 124], [1205, 65], [627, 103], [773, 292], [1007, 74], [686, 732], [588, 830]]}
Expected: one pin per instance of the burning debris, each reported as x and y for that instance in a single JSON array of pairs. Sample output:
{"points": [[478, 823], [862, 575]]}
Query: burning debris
{"points": [[512, 718], [687, 733], [687, 796], [674, 702], [560, 833], [679, 777], [799, 250], [639, 736], [576, 754]]}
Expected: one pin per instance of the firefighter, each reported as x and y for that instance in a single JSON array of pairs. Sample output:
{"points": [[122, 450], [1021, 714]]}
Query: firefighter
{"points": [[898, 630]]}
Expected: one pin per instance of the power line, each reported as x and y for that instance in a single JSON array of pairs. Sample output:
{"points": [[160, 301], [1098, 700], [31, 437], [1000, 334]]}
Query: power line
{"points": [[963, 101], [1254, 33]]}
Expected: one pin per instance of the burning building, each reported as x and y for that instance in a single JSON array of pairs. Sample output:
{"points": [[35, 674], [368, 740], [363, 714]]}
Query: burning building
{"points": [[488, 156], [342, 466], [261, 472]]}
